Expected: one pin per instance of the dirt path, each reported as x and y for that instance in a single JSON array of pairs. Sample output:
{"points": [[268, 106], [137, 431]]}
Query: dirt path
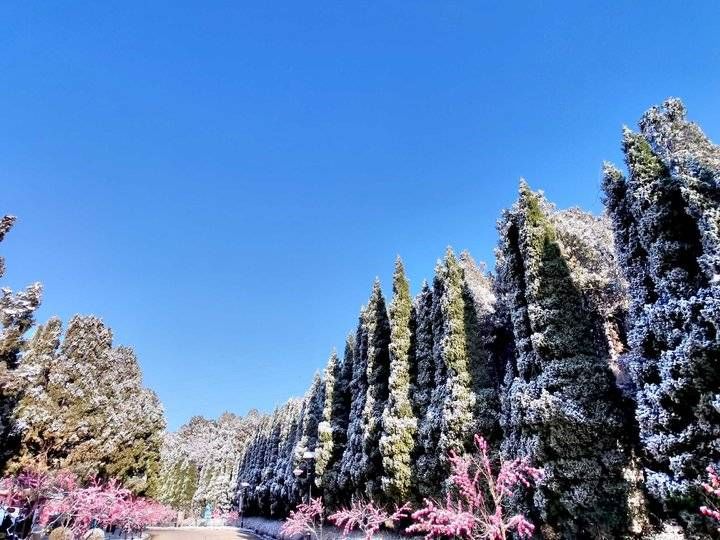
{"points": [[200, 533]]}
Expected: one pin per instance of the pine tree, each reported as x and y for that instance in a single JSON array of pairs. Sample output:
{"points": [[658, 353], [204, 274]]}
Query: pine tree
{"points": [[339, 420], [83, 406], [378, 372], [325, 448], [455, 399], [350, 478], [480, 334], [426, 459], [134, 422], [314, 406], [666, 219], [16, 318], [562, 409], [292, 494], [398, 421]]}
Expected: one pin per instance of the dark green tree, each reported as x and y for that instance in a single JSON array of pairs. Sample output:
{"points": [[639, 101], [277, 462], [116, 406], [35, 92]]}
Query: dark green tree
{"points": [[666, 221], [562, 409]]}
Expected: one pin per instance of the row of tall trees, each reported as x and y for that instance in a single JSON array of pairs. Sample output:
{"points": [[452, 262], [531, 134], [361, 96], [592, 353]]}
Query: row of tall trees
{"points": [[200, 462], [73, 400], [591, 350]]}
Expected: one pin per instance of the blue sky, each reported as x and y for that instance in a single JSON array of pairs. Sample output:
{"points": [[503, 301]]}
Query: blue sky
{"points": [[222, 181]]}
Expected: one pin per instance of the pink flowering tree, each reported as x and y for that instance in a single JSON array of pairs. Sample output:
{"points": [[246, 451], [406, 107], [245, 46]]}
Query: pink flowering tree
{"points": [[134, 514], [305, 519], [475, 507], [33, 488], [228, 517], [55, 498], [712, 489], [367, 517]]}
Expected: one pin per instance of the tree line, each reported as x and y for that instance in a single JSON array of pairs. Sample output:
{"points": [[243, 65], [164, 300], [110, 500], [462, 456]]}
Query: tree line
{"points": [[591, 351]]}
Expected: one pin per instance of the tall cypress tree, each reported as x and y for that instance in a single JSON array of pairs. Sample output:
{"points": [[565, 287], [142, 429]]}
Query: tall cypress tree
{"points": [[455, 400], [325, 448], [425, 455], [479, 319], [378, 373], [665, 217], [398, 422], [312, 416], [351, 471], [563, 412], [339, 419]]}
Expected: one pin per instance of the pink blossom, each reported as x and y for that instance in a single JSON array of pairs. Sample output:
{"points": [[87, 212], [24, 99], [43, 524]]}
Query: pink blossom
{"points": [[712, 489], [366, 517], [474, 508], [57, 498], [306, 518]]}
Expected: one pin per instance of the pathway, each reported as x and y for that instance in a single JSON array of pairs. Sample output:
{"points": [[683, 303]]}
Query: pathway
{"points": [[200, 533]]}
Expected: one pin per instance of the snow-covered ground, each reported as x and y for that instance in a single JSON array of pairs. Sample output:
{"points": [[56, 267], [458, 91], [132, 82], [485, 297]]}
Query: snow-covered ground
{"points": [[271, 528]]}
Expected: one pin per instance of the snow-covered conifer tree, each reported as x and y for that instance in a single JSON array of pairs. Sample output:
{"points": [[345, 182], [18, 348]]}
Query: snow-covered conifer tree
{"points": [[314, 406], [562, 408], [666, 219], [454, 402], [83, 406], [378, 370], [291, 492], [326, 436], [339, 419], [398, 421], [35, 411], [16, 318], [479, 317], [425, 460], [350, 477], [135, 422]]}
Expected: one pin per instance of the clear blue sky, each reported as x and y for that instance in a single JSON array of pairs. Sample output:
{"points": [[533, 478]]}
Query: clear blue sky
{"points": [[222, 181]]}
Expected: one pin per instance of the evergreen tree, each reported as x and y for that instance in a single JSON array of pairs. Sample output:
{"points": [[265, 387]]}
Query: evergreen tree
{"points": [[455, 401], [350, 478], [325, 448], [562, 409], [398, 421], [666, 220], [135, 422], [291, 493], [79, 397], [480, 335], [16, 318], [36, 409], [314, 406], [425, 460], [339, 420], [83, 406], [378, 372]]}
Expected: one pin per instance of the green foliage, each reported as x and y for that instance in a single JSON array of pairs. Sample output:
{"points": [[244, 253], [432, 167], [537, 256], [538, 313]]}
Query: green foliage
{"points": [[377, 327], [398, 421], [562, 409]]}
